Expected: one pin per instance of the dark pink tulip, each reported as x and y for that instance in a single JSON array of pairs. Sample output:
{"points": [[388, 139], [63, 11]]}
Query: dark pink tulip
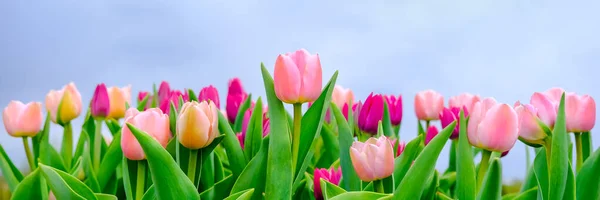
{"points": [[142, 95], [164, 91], [400, 148], [371, 113], [395, 108], [241, 137], [100, 101], [165, 105], [235, 98], [449, 115], [265, 125], [432, 131], [332, 175], [210, 93]]}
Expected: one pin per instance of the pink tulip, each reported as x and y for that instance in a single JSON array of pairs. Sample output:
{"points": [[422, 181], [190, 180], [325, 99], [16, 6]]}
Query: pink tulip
{"points": [[119, 98], [428, 105], [297, 77], [265, 126], [554, 94], [449, 115], [164, 91], [373, 159], [165, 105], [142, 95], [68, 99], [580, 112], [529, 129], [466, 100], [197, 125], [153, 122], [355, 111], [493, 126], [23, 120], [342, 96], [371, 113], [241, 137], [546, 109], [100, 102], [210, 93], [400, 148], [432, 131], [395, 108], [332, 175], [235, 98]]}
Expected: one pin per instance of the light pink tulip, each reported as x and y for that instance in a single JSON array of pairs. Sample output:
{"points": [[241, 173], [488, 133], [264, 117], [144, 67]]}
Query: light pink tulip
{"points": [[493, 126], [529, 129], [372, 160], [467, 100], [342, 96], [428, 105], [554, 94], [546, 109], [152, 121], [580, 112], [197, 124], [298, 77], [23, 120], [69, 101]]}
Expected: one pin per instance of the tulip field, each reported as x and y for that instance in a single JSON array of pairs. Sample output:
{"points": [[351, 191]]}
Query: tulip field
{"points": [[174, 144]]}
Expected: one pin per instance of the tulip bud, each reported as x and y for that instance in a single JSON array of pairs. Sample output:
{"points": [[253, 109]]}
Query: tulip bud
{"points": [[371, 113], [395, 108], [554, 94], [119, 98], [209, 93], [100, 102], [356, 108], [241, 137], [164, 91], [373, 159], [68, 100], [447, 116], [153, 122], [493, 126], [529, 129], [235, 97], [465, 101], [332, 175], [165, 105], [432, 131], [23, 120], [197, 125], [342, 96], [297, 77], [580, 112], [141, 96], [428, 105], [546, 109]]}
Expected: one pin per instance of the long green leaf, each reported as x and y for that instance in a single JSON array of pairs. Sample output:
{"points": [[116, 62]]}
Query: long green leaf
{"points": [[219, 190], [164, 170], [111, 160], [254, 131], [405, 160], [359, 196], [254, 174], [492, 183], [142, 104], [559, 161], [345, 138], [239, 118], [65, 186], [150, 193], [465, 182], [237, 160], [242, 195], [42, 136], [527, 194], [330, 190], [587, 178], [101, 196], [570, 187], [432, 184], [11, 174], [32, 187], [388, 130], [49, 156], [540, 168]]}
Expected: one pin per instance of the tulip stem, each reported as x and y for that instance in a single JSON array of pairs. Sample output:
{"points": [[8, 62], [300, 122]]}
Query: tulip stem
{"points": [[483, 165], [28, 153], [141, 180], [67, 144], [296, 134], [97, 144], [192, 164], [378, 186], [578, 146]]}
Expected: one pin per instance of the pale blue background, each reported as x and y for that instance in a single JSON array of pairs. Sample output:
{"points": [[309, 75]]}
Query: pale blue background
{"points": [[506, 49]]}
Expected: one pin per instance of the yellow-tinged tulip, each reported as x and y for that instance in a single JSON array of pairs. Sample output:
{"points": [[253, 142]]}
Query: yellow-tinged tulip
{"points": [[118, 97], [64, 105], [197, 124]]}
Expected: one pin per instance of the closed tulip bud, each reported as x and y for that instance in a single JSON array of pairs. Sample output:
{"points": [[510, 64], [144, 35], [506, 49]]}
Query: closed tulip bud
{"points": [[432, 131], [100, 102], [164, 91], [373, 159], [165, 105], [493, 126], [332, 176], [141, 96], [209, 93], [68, 100], [546, 109], [400, 148], [197, 125], [554, 94], [119, 97], [241, 137], [465, 100], [449, 115], [23, 120], [395, 108], [297, 77], [580, 112], [428, 105], [371, 113], [342, 96], [235, 98], [153, 122], [529, 129]]}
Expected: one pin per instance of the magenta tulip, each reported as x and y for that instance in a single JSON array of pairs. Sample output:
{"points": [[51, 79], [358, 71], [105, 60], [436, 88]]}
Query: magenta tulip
{"points": [[210, 93], [332, 175], [165, 105], [432, 131], [395, 108], [100, 102], [164, 91], [371, 113], [449, 115], [235, 98]]}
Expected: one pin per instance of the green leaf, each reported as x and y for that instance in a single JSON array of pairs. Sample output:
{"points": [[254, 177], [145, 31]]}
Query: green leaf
{"points": [[405, 160], [142, 104], [345, 139], [586, 148], [426, 162], [113, 126], [330, 190], [570, 187], [559, 161], [219, 190], [83, 138], [239, 119], [540, 168], [587, 178], [128, 167], [91, 180], [360, 196], [279, 160], [431, 190], [49, 156], [150, 193], [492, 183], [173, 118], [192, 95], [465, 182], [332, 151], [41, 137], [254, 131], [235, 155], [388, 130], [254, 174], [11, 174], [101, 196], [111, 160], [527, 194], [164, 170], [32, 187], [246, 194], [530, 180], [154, 102], [65, 186]]}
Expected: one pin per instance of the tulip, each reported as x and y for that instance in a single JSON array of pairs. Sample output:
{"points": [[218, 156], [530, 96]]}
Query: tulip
{"points": [[241, 137], [400, 148], [100, 102], [464, 100], [198, 124], [68, 100], [493, 126], [342, 96], [371, 113], [554, 94], [23, 120], [119, 97], [141, 96], [432, 131], [164, 91], [165, 105], [297, 77], [327, 113], [449, 115], [235, 98], [332, 175], [428, 105], [247, 116], [373, 159], [211, 93], [529, 129], [395, 108], [580, 112], [546, 109], [153, 122], [356, 108]]}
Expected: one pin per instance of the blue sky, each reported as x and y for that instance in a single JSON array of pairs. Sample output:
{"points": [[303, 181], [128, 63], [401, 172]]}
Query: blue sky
{"points": [[505, 49]]}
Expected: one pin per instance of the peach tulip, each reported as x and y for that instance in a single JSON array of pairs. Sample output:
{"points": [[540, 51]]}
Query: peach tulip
{"points": [[529, 129], [580, 112], [298, 77], [342, 96], [466, 100], [428, 105], [197, 124], [23, 120], [493, 126], [373, 159], [68, 99], [152, 121], [118, 98]]}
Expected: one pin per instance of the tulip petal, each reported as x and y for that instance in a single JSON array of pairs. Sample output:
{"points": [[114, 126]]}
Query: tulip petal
{"points": [[286, 79]]}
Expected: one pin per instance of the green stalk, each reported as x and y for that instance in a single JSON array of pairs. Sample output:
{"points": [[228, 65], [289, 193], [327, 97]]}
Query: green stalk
{"points": [[579, 147], [28, 153], [296, 134], [378, 186], [141, 180], [67, 144], [485, 158], [97, 144], [548, 147], [192, 164]]}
